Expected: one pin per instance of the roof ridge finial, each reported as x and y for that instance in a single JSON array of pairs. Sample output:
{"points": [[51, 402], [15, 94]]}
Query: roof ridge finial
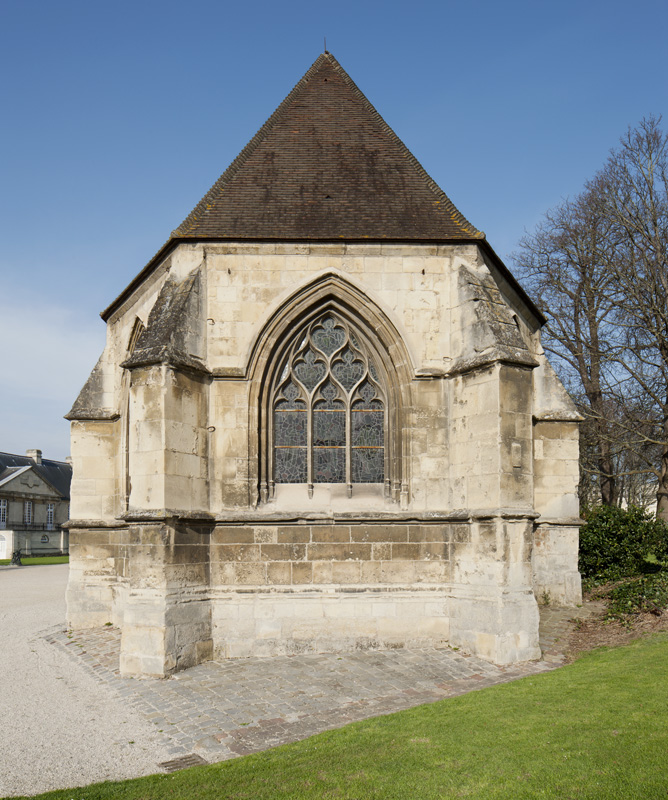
{"points": [[326, 52]]}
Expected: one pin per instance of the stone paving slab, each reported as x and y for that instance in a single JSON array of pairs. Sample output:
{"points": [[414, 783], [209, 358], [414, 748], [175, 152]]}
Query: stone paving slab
{"points": [[223, 709]]}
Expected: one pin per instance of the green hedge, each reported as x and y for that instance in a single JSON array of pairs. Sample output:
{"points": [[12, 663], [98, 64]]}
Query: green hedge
{"points": [[617, 543], [647, 593]]}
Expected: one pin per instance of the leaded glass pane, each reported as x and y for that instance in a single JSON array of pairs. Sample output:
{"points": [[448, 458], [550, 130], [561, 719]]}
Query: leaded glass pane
{"points": [[368, 465], [290, 428], [368, 429], [349, 371], [328, 337], [310, 371], [290, 465], [329, 428], [329, 465]]}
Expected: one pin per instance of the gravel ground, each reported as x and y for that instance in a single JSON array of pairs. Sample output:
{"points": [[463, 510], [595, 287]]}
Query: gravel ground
{"points": [[58, 727]]}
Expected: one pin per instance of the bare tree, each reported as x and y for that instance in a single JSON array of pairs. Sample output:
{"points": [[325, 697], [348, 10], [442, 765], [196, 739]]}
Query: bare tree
{"points": [[634, 197], [599, 266], [565, 264]]}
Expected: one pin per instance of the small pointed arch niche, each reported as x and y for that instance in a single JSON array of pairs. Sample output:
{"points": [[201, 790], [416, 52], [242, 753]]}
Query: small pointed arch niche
{"points": [[137, 330], [330, 412]]}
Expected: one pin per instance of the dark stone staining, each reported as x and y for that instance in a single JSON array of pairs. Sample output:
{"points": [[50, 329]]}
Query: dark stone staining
{"points": [[172, 333], [326, 166], [89, 403], [495, 335]]}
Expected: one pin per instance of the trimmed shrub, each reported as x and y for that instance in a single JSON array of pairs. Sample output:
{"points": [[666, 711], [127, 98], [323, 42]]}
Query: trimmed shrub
{"points": [[616, 543]]}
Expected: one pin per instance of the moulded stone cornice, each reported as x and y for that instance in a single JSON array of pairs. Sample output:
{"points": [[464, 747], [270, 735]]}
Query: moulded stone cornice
{"points": [[230, 373], [75, 524], [439, 590], [498, 355], [166, 356], [566, 522], [502, 513], [558, 417], [166, 514], [92, 415], [430, 373], [463, 515]]}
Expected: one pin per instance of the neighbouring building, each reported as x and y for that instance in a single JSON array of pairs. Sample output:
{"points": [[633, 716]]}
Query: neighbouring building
{"points": [[34, 504], [323, 419]]}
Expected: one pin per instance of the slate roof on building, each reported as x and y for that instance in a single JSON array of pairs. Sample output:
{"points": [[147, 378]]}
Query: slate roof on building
{"points": [[327, 166], [57, 474]]}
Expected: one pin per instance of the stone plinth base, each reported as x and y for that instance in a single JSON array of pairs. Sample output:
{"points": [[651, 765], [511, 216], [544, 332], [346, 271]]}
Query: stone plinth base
{"points": [[500, 628], [326, 620], [184, 592], [554, 564]]}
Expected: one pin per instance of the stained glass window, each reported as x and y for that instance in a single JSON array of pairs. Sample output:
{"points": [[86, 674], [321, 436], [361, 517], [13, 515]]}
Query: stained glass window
{"points": [[328, 409]]}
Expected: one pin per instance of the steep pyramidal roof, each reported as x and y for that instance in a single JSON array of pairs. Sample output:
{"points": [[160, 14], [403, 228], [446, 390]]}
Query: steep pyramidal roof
{"points": [[326, 166]]}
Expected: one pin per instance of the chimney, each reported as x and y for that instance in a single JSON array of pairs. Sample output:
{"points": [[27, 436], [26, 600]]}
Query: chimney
{"points": [[36, 455]]}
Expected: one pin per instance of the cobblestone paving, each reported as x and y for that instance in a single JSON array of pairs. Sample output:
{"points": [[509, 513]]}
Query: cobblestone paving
{"points": [[222, 709]]}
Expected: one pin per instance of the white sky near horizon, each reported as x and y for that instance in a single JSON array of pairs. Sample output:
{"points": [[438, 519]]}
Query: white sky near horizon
{"points": [[119, 117]]}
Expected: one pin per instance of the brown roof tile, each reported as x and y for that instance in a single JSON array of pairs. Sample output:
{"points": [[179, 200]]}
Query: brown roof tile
{"points": [[326, 165]]}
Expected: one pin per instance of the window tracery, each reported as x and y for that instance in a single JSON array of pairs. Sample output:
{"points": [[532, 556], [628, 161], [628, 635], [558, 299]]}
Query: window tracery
{"points": [[328, 410]]}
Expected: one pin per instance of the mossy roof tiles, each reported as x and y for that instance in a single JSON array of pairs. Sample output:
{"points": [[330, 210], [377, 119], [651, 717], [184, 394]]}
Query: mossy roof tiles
{"points": [[326, 166]]}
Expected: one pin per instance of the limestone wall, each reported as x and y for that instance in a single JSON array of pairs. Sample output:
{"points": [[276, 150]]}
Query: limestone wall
{"points": [[176, 539]]}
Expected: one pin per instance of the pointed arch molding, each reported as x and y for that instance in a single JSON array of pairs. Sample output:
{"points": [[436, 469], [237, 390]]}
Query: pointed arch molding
{"points": [[333, 293], [312, 297]]}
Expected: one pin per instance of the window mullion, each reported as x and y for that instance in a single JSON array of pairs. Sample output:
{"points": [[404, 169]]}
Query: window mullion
{"points": [[309, 445], [349, 458]]}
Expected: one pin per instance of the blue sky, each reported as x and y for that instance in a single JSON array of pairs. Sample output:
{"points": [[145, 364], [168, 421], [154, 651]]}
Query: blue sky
{"points": [[118, 117]]}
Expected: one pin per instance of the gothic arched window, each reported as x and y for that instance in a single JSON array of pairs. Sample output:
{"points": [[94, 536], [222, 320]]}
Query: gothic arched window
{"points": [[328, 415]]}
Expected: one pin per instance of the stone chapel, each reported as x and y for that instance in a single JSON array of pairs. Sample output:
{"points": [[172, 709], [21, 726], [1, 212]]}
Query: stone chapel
{"points": [[323, 420]]}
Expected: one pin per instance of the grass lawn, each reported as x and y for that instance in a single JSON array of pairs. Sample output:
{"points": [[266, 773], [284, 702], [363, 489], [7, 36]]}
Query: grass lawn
{"points": [[26, 561], [595, 729]]}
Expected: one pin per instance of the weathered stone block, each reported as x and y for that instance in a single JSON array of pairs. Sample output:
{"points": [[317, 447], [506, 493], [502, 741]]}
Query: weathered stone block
{"points": [[338, 552], [345, 572], [302, 572], [330, 533], [379, 533], [283, 552], [279, 572], [232, 536], [239, 552], [288, 534]]}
